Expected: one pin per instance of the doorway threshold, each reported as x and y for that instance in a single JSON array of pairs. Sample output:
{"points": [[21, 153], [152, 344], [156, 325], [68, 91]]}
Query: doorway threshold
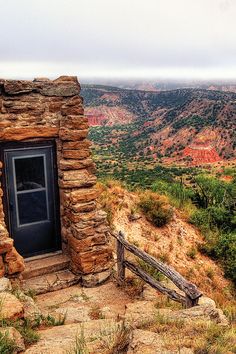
{"points": [[42, 256]]}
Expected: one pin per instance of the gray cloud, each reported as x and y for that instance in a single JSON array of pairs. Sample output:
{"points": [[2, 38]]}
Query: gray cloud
{"points": [[95, 37], [225, 5]]}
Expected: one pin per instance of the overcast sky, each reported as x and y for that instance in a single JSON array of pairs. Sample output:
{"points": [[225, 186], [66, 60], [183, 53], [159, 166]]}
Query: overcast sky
{"points": [[118, 38]]}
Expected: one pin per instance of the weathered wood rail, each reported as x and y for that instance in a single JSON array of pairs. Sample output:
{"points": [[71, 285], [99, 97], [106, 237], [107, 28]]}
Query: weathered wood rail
{"points": [[192, 294]]}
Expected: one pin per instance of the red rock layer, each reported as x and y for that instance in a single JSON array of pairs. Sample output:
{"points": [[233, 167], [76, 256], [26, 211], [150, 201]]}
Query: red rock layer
{"points": [[96, 120], [201, 155]]}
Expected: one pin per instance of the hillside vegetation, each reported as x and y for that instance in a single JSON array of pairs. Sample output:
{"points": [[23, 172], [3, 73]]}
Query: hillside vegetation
{"points": [[179, 208], [160, 125], [207, 202]]}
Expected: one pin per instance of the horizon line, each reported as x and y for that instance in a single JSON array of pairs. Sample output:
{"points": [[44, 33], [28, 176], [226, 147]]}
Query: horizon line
{"points": [[31, 70]]}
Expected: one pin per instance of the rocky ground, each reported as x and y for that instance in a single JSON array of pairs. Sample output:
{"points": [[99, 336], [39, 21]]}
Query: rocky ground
{"points": [[131, 318], [109, 319]]}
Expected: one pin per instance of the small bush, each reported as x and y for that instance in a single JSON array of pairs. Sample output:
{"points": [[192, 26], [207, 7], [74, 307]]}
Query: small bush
{"points": [[200, 218], [179, 194], [226, 250], [219, 216], [156, 208], [133, 286], [192, 252], [223, 247], [7, 345], [230, 312], [210, 273], [29, 334], [116, 340]]}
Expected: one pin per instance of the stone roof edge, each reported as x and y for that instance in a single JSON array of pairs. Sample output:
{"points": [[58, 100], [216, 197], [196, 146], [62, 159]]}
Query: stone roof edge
{"points": [[64, 86]]}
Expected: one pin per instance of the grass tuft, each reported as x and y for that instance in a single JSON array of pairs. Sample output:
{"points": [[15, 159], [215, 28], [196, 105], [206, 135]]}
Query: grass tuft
{"points": [[80, 346], [7, 345]]}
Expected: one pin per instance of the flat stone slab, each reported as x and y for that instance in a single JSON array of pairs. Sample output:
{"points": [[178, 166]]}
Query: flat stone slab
{"points": [[51, 282], [73, 314], [109, 299], [146, 342], [97, 334], [140, 313]]}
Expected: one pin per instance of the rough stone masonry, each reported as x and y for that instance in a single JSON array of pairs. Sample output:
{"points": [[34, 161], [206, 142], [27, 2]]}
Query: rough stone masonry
{"points": [[42, 110]]}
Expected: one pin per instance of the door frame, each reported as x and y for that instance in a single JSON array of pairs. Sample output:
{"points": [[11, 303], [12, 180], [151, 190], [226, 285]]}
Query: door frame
{"points": [[5, 199]]}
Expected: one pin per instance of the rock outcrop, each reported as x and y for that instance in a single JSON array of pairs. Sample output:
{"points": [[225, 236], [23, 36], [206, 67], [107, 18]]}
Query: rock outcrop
{"points": [[11, 307], [201, 154]]}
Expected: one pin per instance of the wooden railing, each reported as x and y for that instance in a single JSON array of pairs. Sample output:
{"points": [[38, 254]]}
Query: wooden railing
{"points": [[192, 294]]}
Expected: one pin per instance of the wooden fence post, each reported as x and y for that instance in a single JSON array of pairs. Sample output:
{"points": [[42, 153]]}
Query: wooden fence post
{"points": [[192, 294], [120, 260], [191, 302]]}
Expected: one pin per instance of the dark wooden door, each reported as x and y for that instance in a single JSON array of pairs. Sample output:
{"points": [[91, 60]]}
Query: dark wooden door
{"points": [[31, 198]]}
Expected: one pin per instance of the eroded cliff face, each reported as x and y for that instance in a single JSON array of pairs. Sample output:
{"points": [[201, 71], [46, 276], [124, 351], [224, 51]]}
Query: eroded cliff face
{"points": [[169, 121], [200, 155], [37, 111]]}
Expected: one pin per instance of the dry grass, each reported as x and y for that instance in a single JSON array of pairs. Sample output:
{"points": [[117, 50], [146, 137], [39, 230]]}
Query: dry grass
{"points": [[201, 336], [95, 313], [187, 210], [164, 301], [175, 244], [111, 197], [133, 287], [117, 340]]}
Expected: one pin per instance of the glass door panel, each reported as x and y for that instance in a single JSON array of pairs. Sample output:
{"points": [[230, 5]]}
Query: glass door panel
{"points": [[31, 189], [32, 198]]}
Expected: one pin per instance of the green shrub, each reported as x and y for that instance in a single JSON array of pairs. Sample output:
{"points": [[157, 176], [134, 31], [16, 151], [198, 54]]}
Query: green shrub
{"points": [[176, 190], [200, 218], [49, 320], [156, 208], [219, 216], [161, 186], [28, 333], [210, 191], [7, 345], [211, 218], [218, 340], [226, 250]]}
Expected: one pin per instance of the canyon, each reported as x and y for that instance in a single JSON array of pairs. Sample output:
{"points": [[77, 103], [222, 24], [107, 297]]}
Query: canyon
{"points": [[165, 126]]}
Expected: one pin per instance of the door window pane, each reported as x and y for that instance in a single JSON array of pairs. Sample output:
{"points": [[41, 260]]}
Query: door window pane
{"points": [[32, 207], [29, 173]]}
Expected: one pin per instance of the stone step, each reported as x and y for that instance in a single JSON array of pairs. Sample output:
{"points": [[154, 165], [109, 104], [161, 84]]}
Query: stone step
{"points": [[51, 282], [41, 266]]}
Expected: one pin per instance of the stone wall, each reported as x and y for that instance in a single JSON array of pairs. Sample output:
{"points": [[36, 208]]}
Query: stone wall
{"points": [[43, 109]]}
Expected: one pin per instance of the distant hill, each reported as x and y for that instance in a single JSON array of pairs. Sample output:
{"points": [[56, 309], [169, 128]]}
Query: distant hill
{"points": [[163, 124], [167, 85]]}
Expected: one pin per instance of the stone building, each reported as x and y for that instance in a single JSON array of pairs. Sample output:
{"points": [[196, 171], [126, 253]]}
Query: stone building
{"points": [[48, 194]]}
